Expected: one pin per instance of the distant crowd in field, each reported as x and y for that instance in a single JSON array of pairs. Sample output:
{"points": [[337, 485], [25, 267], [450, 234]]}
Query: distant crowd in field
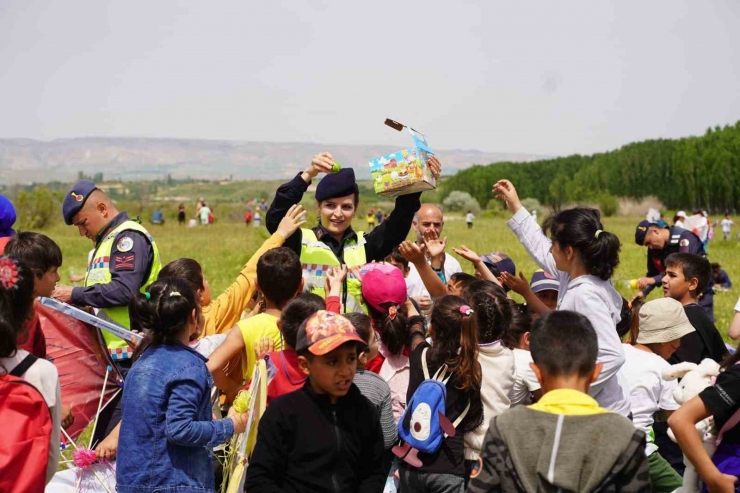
{"points": [[357, 361]]}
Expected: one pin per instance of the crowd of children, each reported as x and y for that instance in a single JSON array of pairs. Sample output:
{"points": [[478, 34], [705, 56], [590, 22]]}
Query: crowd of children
{"points": [[438, 381]]}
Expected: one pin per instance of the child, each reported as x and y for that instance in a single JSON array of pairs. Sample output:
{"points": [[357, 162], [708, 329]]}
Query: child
{"points": [[289, 376], [551, 445], [16, 310], [727, 226], [687, 275], [662, 324], [455, 343], [527, 388], [540, 294], [722, 400], [281, 275], [721, 278], [397, 260], [42, 255], [166, 425], [493, 313], [582, 257], [325, 435], [370, 384]]}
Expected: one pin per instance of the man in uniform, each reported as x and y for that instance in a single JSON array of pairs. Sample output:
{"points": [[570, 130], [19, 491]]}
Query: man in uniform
{"points": [[662, 242], [126, 260]]}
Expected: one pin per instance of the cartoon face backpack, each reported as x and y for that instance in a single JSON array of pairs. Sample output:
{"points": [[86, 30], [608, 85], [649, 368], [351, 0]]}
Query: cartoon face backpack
{"points": [[424, 424]]}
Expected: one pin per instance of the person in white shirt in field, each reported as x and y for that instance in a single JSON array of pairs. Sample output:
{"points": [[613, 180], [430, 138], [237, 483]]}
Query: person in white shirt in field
{"points": [[469, 219], [428, 221], [726, 226]]}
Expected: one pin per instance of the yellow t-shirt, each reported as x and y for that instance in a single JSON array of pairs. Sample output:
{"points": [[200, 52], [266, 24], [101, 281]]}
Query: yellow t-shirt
{"points": [[253, 329], [568, 402]]}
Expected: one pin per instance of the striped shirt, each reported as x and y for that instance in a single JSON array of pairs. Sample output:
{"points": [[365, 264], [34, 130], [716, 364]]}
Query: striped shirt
{"points": [[376, 390]]}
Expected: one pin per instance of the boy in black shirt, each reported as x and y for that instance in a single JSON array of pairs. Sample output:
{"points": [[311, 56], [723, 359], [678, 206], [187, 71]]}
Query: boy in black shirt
{"points": [[325, 436], [687, 275]]}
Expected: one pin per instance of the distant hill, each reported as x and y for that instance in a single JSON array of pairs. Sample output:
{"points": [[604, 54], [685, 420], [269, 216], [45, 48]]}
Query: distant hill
{"points": [[28, 160]]}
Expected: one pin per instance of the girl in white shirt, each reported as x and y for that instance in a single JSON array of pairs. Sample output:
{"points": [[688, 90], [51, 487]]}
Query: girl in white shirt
{"points": [[654, 337], [16, 310], [582, 257]]}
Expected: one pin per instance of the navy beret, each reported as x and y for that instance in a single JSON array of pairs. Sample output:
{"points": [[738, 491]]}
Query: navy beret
{"points": [[7, 216], [641, 231], [338, 184], [76, 198]]}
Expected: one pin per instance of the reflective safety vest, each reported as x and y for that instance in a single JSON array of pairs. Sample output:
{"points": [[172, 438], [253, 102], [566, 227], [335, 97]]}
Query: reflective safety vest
{"points": [[317, 257], [98, 272]]}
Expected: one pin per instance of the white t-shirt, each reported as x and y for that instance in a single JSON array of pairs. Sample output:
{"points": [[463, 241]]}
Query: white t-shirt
{"points": [[526, 381], [415, 286], [43, 375], [648, 391], [726, 225], [469, 217]]}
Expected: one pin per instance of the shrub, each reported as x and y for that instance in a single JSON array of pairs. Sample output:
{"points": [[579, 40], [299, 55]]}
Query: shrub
{"points": [[37, 208], [461, 201], [532, 204], [608, 204]]}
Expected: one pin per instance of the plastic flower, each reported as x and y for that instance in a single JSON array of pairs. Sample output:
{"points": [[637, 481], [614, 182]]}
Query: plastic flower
{"points": [[8, 273]]}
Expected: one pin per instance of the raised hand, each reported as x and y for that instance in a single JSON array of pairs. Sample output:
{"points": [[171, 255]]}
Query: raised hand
{"points": [[467, 254], [413, 252], [504, 190], [321, 163], [434, 166], [517, 284], [435, 245], [294, 219], [334, 278]]}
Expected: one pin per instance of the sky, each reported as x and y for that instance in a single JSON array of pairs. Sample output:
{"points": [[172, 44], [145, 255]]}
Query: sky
{"points": [[550, 77]]}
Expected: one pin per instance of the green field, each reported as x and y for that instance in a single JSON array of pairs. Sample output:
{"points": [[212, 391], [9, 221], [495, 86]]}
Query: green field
{"points": [[224, 247]]}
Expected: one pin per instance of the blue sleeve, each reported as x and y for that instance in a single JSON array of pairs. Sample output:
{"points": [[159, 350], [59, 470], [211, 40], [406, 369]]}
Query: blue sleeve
{"points": [[129, 270], [187, 391], [690, 243], [287, 195]]}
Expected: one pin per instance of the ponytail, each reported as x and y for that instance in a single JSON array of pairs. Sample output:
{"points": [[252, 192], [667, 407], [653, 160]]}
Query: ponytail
{"points": [[634, 327], [16, 302], [162, 312], [581, 229], [391, 325], [467, 370], [455, 335]]}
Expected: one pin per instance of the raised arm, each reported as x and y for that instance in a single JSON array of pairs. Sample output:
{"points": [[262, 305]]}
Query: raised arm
{"points": [[431, 280], [526, 229]]}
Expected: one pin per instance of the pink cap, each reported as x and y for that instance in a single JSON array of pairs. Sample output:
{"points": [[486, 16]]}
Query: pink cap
{"points": [[383, 283]]}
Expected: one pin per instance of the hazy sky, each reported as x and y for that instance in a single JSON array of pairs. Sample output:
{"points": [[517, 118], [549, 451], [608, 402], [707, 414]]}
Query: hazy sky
{"points": [[549, 77]]}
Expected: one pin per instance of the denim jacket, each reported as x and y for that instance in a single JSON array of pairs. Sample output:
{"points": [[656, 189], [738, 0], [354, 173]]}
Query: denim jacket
{"points": [[167, 431]]}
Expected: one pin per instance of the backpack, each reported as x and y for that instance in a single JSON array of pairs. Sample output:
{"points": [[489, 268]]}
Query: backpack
{"points": [[424, 424], [27, 428]]}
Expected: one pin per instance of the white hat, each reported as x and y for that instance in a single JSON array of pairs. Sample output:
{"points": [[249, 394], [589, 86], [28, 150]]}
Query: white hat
{"points": [[681, 214], [663, 320]]}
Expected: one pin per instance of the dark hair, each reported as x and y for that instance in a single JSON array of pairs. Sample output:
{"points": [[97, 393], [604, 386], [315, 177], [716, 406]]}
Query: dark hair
{"points": [[626, 315], [634, 320], [363, 324], [185, 269], [676, 219], [493, 314], [463, 279], [564, 343], [280, 273], [577, 228], [36, 251], [455, 343], [396, 257], [356, 194], [521, 323], [393, 332], [297, 311], [16, 306], [164, 314], [716, 267], [482, 286], [694, 266]]}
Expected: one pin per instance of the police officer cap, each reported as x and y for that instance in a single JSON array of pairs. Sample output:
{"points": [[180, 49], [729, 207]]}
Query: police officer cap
{"points": [[641, 231], [76, 198], [336, 185]]}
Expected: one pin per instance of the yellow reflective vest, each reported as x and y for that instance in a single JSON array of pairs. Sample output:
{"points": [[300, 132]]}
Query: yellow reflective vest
{"points": [[317, 257], [99, 273]]}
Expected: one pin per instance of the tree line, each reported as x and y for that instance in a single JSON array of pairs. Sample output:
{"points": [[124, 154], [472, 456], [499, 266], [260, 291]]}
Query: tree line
{"points": [[687, 173]]}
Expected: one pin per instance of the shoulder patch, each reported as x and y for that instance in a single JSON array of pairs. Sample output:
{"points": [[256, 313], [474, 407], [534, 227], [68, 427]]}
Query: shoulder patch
{"points": [[684, 242], [125, 244]]}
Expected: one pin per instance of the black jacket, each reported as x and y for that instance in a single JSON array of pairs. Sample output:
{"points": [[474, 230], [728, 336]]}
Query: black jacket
{"points": [[306, 444]]}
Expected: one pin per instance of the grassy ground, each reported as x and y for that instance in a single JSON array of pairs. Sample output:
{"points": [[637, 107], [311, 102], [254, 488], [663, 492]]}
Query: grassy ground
{"points": [[223, 248]]}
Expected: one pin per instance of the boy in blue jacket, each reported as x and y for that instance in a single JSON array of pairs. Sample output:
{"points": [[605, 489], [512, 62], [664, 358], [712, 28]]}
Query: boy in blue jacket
{"points": [[325, 436]]}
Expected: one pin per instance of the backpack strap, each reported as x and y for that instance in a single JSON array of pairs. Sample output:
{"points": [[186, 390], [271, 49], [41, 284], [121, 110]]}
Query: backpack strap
{"points": [[460, 418], [23, 366]]}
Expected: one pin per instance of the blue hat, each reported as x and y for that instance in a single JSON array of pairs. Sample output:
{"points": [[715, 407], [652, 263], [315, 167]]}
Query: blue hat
{"points": [[76, 198], [542, 281], [338, 184], [7, 217], [498, 262], [642, 230]]}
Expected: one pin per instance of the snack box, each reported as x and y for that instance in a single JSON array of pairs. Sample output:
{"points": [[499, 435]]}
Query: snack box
{"points": [[406, 171]]}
